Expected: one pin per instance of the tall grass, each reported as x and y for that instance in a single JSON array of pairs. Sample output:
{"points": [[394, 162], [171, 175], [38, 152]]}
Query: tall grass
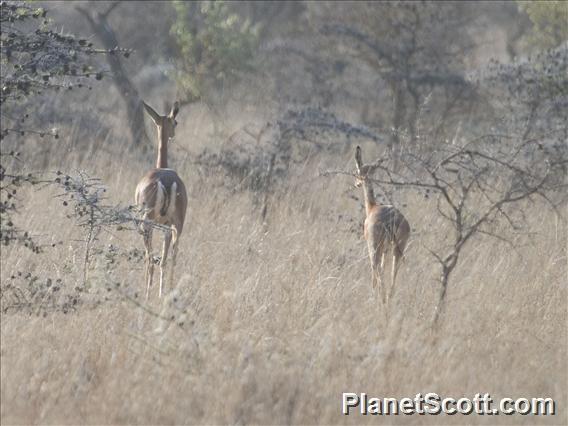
{"points": [[270, 323]]}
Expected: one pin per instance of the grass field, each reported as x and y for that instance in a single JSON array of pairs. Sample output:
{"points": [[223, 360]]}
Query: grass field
{"points": [[270, 323]]}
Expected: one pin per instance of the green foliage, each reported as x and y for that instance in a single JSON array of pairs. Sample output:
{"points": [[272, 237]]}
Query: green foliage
{"points": [[215, 44], [550, 23]]}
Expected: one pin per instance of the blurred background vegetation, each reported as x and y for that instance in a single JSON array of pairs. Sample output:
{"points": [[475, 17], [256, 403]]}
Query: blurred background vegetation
{"points": [[404, 75], [274, 56]]}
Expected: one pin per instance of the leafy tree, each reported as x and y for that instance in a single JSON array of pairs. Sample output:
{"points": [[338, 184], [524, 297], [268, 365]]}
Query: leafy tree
{"points": [[549, 23], [414, 48], [215, 44], [34, 59]]}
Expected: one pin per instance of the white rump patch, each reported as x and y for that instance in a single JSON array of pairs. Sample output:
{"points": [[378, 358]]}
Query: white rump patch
{"points": [[160, 198], [172, 205]]}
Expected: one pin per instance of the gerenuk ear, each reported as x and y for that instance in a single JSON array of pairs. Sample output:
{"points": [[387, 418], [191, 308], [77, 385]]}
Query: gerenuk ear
{"points": [[175, 110], [358, 159], [156, 118]]}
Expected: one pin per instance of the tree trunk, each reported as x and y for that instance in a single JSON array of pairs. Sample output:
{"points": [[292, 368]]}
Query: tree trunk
{"points": [[448, 266], [442, 298], [126, 88], [398, 120]]}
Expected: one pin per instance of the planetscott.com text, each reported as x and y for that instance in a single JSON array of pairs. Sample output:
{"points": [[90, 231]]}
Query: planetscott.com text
{"points": [[432, 403]]}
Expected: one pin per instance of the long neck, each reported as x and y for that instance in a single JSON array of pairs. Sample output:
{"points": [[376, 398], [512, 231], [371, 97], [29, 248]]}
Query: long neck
{"points": [[162, 162], [369, 197]]}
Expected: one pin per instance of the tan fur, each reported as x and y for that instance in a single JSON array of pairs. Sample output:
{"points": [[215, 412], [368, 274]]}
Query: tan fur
{"points": [[162, 195], [385, 229]]}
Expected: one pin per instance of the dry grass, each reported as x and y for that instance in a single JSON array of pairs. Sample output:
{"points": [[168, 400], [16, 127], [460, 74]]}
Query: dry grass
{"points": [[279, 320]]}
